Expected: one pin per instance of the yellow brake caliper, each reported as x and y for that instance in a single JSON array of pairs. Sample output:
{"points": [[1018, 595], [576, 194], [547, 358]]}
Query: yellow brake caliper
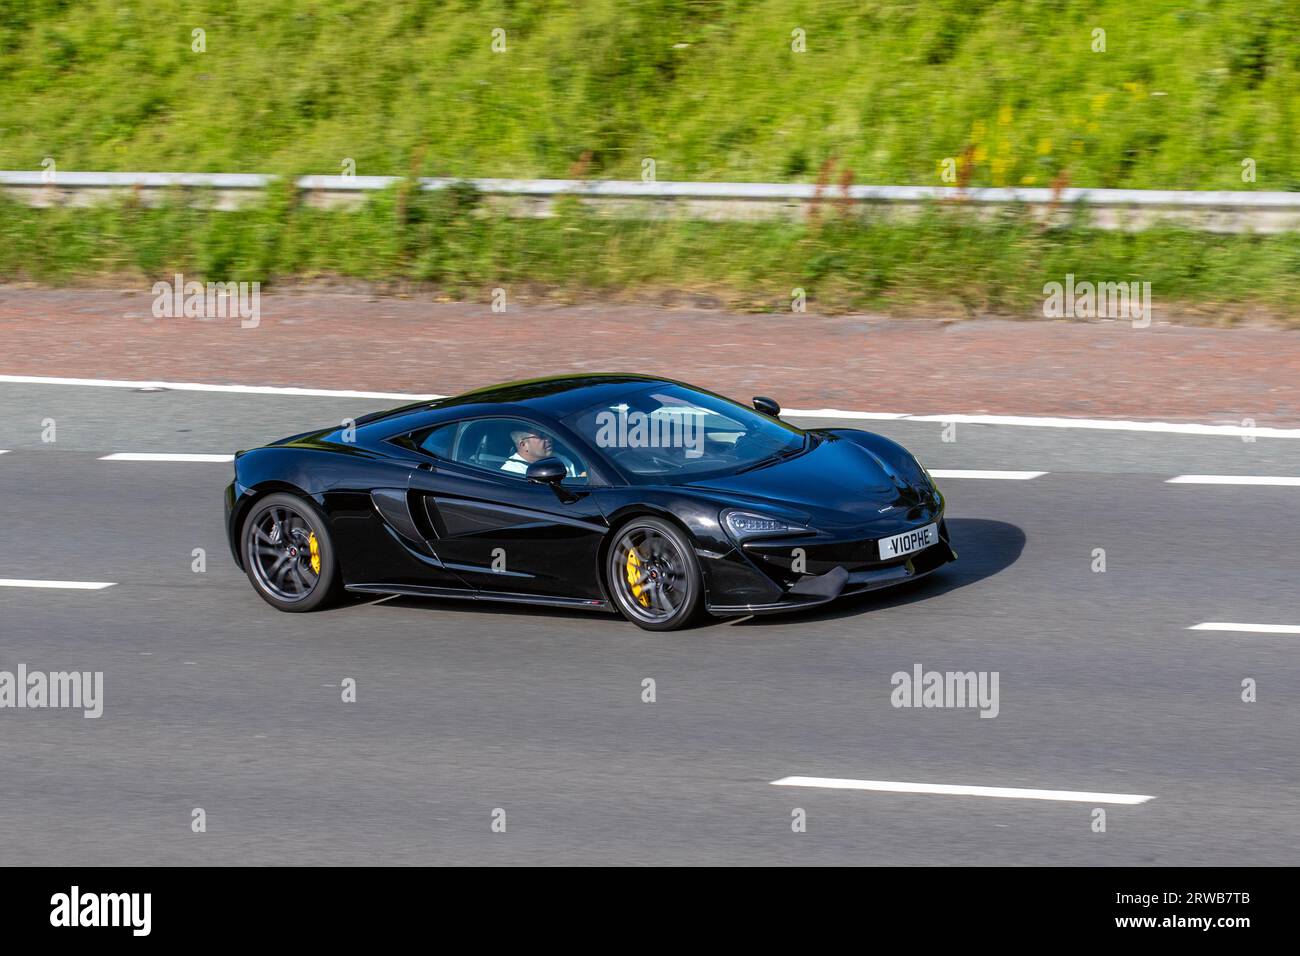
{"points": [[634, 576], [314, 545]]}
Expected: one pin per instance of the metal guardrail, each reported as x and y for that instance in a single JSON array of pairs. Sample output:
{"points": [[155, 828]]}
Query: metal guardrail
{"points": [[1222, 211]]}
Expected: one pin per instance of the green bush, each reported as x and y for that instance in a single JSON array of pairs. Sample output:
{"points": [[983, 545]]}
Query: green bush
{"points": [[1185, 90]]}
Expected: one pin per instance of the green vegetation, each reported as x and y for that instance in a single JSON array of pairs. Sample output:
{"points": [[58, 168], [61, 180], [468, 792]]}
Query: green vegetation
{"points": [[710, 89], [1012, 90], [447, 241]]}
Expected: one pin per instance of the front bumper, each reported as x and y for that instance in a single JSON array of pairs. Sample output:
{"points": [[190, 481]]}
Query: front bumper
{"points": [[760, 578]]}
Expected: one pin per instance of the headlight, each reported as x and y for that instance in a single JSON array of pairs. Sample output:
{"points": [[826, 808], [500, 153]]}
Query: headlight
{"points": [[747, 524]]}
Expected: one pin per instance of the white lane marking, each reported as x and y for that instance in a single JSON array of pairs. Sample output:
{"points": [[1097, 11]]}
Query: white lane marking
{"points": [[203, 387], [150, 456], [1014, 793], [69, 585], [841, 413], [4, 451], [1002, 475], [1107, 424], [1247, 628], [1103, 424], [1234, 480]]}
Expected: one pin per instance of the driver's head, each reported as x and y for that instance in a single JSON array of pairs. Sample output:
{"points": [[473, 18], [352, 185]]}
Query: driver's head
{"points": [[531, 444]]}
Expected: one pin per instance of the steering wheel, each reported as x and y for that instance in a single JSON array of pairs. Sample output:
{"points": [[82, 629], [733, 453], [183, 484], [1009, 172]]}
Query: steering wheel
{"points": [[637, 456]]}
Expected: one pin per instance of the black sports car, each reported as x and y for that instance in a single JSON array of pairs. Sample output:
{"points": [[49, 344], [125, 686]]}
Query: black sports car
{"points": [[622, 492]]}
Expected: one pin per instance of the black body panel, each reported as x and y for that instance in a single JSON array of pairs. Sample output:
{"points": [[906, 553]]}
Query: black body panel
{"points": [[405, 521]]}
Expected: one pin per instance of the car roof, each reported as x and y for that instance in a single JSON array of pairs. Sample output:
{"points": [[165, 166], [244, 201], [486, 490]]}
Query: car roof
{"points": [[554, 397], [558, 395]]}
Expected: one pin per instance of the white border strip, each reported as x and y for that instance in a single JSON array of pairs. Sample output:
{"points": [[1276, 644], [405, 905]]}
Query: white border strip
{"points": [[1113, 425], [1247, 628], [1233, 480], [68, 585], [1099, 424], [842, 413], [203, 387], [999, 475], [955, 790], [151, 456]]}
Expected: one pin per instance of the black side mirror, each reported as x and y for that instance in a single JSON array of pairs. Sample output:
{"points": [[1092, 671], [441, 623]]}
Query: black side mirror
{"points": [[547, 471], [767, 406]]}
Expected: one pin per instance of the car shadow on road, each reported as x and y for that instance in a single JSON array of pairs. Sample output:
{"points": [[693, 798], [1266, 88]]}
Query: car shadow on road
{"points": [[984, 548]]}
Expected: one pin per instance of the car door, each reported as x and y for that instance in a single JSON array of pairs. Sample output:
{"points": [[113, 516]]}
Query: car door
{"points": [[500, 532]]}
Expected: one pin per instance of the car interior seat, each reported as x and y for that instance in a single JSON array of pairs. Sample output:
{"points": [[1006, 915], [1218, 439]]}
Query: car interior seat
{"points": [[486, 444]]}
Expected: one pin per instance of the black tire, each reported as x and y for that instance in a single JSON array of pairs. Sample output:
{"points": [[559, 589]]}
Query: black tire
{"points": [[660, 589], [283, 574]]}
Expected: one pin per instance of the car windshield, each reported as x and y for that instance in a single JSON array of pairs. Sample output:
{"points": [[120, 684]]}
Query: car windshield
{"points": [[671, 434]]}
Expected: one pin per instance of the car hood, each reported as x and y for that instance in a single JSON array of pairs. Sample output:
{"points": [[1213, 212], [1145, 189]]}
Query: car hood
{"points": [[838, 483]]}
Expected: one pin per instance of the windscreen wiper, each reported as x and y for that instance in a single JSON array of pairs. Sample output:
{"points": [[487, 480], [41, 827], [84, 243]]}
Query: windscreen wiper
{"points": [[774, 458]]}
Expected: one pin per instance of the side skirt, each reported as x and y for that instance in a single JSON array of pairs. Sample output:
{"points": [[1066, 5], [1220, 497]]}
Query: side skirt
{"points": [[414, 590]]}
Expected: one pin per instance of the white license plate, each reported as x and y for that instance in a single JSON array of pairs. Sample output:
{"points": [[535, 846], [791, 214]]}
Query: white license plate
{"points": [[908, 542]]}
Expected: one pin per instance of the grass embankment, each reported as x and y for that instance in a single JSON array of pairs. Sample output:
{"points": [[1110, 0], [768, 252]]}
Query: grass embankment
{"points": [[1012, 90], [946, 260], [710, 89]]}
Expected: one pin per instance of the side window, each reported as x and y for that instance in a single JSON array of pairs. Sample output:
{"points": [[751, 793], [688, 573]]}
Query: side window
{"points": [[510, 445], [506, 445], [437, 441]]}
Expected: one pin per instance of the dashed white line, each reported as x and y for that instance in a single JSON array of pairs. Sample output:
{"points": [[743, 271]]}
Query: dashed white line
{"points": [[69, 585], [997, 475], [1247, 628], [149, 456], [957, 790], [1234, 480]]}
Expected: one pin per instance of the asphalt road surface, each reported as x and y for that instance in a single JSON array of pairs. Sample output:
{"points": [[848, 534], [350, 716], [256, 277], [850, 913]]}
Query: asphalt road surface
{"points": [[214, 700]]}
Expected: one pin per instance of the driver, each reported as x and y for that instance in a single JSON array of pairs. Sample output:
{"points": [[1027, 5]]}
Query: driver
{"points": [[532, 445]]}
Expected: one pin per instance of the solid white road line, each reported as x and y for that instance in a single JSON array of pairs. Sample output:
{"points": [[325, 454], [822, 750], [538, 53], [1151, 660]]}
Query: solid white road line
{"points": [[1102, 424], [202, 387], [4, 451], [69, 585], [1247, 628], [1113, 425], [149, 456], [1234, 480], [1000, 475], [1014, 793], [840, 413]]}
